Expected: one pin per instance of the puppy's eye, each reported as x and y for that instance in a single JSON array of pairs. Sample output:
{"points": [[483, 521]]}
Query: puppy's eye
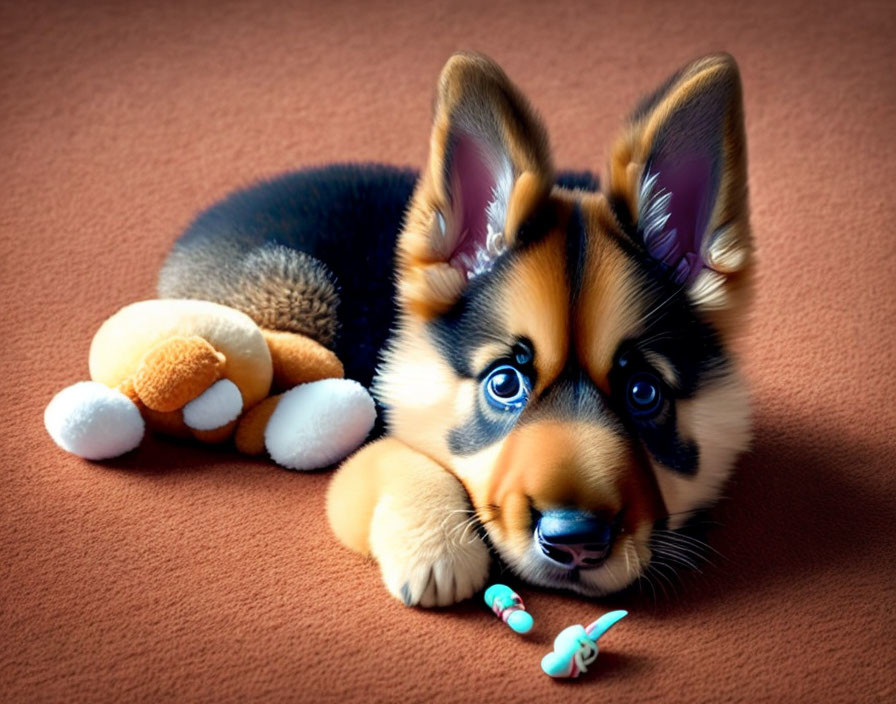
{"points": [[644, 396], [506, 388]]}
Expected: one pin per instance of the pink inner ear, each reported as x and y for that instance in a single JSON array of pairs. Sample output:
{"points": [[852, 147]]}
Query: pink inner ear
{"points": [[692, 183], [472, 180]]}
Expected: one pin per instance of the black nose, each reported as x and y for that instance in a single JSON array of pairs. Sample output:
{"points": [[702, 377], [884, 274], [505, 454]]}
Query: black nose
{"points": [[574, 538]]}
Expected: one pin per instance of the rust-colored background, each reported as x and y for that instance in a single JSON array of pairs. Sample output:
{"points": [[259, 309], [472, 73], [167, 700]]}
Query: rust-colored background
{"points": [[181, 573]]}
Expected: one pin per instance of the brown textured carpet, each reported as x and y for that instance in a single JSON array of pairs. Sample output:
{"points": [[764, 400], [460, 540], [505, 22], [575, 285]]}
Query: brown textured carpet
{"points": [[186, 574]]}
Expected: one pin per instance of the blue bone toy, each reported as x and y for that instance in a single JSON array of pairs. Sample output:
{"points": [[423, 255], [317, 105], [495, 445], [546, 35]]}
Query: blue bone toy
{"points": [[508, 606], [575, 648]]}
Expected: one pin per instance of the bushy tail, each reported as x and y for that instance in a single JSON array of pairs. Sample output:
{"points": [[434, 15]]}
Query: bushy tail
{"points": [[278, 287]]}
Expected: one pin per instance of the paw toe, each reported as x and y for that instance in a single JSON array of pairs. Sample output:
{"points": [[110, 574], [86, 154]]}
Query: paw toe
{"points": [[445, 580]]}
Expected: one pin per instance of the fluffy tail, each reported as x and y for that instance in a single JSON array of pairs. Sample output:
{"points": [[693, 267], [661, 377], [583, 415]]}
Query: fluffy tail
{"points": [[280, 288]]}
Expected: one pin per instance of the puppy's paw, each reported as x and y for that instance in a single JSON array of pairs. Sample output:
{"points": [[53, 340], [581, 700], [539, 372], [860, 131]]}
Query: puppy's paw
{"points": [[428, 557]]}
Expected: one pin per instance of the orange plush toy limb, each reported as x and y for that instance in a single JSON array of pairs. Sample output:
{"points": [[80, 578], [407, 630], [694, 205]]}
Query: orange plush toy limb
{"points": [[176, 371], [298, 359], [195, 368]]}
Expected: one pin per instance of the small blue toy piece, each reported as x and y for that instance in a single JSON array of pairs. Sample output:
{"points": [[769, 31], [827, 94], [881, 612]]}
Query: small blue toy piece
{"points": [[508, 606], [576, 647]]}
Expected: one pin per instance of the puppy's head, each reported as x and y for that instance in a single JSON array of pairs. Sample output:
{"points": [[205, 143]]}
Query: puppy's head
{"points": [[565, 353]]}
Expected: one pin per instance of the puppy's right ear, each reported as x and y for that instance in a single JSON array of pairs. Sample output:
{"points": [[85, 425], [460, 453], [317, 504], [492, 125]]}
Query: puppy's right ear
{"points": [[489, 167]]}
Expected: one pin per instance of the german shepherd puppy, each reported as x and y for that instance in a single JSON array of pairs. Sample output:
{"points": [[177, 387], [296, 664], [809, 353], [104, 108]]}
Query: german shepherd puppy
{"points": [[553, 360]]}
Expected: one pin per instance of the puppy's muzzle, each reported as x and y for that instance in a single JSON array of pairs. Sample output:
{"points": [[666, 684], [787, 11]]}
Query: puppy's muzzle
{"points": [[573, 538]]}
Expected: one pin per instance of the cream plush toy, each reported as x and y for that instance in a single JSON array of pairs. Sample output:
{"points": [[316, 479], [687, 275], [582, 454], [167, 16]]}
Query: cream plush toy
{"points": [[198, 369]]}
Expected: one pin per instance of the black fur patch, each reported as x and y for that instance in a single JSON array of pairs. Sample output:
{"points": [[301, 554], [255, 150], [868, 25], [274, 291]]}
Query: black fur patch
{"points": [[348, 216], [578, 180], [576, 243], [481, 430]]}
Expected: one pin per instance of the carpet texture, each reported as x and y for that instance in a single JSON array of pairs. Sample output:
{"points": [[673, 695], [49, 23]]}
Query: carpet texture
{"points": [[181, 573]]}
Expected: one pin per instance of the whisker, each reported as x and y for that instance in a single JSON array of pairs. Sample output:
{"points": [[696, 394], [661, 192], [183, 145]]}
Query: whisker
{"points": [[665, 579], [662, 335], [453, 512], [690, 540], [674, 579], [656, 309], [694, 547], [670, 553], [657, 565], [684, 546], [646, 578], [471, 523], [612, 571]]}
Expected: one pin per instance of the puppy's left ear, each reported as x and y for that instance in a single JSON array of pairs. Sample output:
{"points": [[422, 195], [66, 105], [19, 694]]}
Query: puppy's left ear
{"points": [[678, 179], [488, 169]]}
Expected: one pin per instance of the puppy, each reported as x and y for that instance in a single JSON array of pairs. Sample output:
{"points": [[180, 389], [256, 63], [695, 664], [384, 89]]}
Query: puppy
{"points": [[553, 360]]}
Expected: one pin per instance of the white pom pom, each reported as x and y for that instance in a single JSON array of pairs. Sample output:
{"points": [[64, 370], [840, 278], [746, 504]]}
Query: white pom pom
{"points": [[93, 421], [315, 425], [219, 404]]}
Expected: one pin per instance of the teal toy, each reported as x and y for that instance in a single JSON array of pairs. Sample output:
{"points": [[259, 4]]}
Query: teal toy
{"points": [[576, 647], [508, 606]]}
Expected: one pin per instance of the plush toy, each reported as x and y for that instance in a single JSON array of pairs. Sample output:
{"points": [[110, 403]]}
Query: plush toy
{"points": [[575, 647], [508, 606], [198, 369]]}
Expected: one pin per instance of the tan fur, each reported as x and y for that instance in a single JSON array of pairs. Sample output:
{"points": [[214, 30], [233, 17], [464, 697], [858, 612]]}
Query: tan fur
{"points": [[528, 191], [611, 307], [423, 398], [553, 462], [426, 391], [719, 420], [664, 367], [536, 306]]}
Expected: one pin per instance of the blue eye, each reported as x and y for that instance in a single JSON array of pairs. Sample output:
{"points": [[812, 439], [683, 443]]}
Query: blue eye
{"points": [[644, 396], [506, 388]]}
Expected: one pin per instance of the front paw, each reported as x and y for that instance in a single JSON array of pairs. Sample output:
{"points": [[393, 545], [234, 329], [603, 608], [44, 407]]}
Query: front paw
{"points": [[428, 555]]}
